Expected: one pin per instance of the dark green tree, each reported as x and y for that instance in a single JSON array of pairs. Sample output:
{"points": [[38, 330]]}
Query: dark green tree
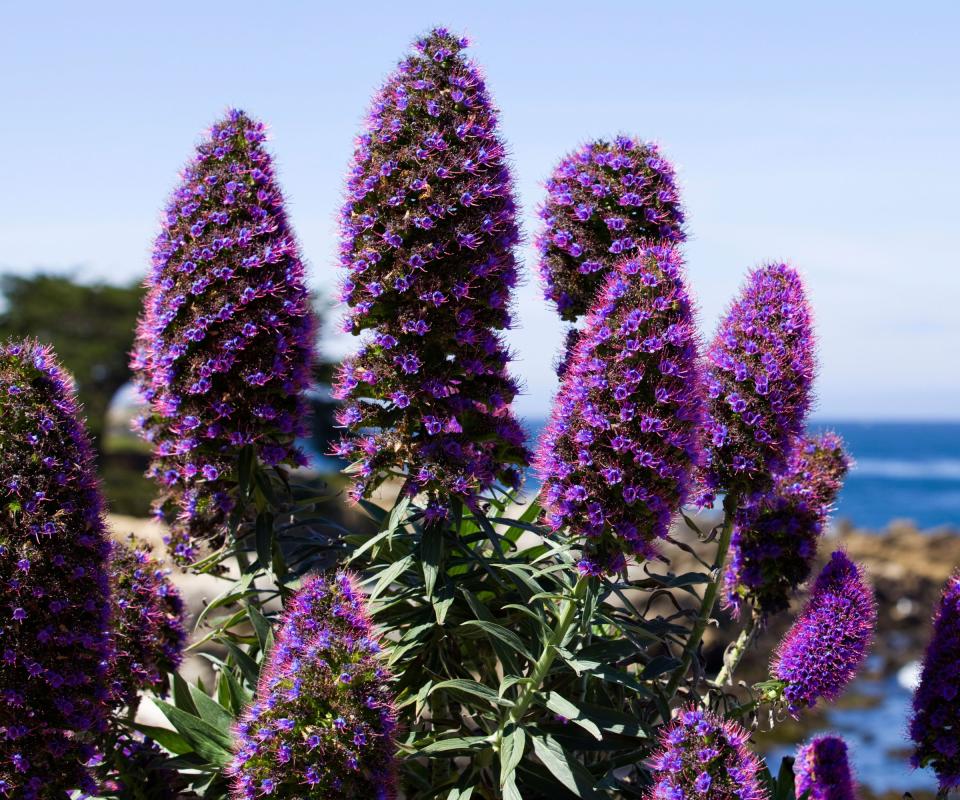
{"points": [[89, 325]]}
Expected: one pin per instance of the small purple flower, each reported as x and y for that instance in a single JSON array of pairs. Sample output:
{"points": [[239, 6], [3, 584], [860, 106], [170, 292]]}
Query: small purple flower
{"points": [[585, 226], [760, 371], [776, 535], [624, 441], [226, 332], [703, 756], [822, 770], [54, 591], [338, 733], [829, 640], [936, 703], [428, 237]]}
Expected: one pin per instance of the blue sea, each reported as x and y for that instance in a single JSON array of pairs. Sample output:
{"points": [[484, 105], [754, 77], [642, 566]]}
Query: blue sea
{"points": [[904, 470]]}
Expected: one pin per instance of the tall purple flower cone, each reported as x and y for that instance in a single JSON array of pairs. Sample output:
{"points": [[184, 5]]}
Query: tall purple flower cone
{"points": [[54, 595], [760, 370], [823, 771], [148, 624], [935, 726], [829, 640], [428, 239], [703, 756], [224, 345], [322, 722], [618, 456], [776, 537], [605, 201]]}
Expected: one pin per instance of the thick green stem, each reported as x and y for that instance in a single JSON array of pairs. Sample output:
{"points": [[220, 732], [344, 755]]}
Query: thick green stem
{"points": [[709, 597], [733, 656], [557, 637]]}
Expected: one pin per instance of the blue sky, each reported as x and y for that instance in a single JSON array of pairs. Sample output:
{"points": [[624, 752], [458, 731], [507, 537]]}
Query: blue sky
{"points": [[826, 134]]}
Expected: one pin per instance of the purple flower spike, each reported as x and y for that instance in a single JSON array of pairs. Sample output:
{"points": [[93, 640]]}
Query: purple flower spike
{"points": [[623, 442], [604, 203], [703, 756], [224, 345], [936, 704], [428, 241], [148, 624], [54, 593], [822, 770], [776, 537], [761, 366], [322, 722], [828, 642]]}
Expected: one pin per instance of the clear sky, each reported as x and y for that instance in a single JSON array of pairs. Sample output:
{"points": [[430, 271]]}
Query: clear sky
{"points": [[826, 134]]}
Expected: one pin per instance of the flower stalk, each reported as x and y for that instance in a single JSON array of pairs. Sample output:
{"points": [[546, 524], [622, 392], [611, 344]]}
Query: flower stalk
{"points": [[709, 595], [736, 652]]}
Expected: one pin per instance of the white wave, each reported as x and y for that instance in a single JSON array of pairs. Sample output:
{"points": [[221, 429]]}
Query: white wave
{"points": [[945, 469]]}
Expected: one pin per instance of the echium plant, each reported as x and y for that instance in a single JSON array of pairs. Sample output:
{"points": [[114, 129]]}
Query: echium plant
{"points": [[623, 442], [55, 646], [147, 628], [224, 344], [829, 640], [147, 624], [760, 370], [428, 236], [322, 722], [605, 201], [823, 771], [702, 755], [775, 539], [935, 726]]}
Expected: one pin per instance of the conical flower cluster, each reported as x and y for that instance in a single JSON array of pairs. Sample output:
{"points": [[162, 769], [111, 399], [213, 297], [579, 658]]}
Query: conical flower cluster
{"points": [[761, 366], [829, 640], [776, 538], [604, 203], [822, 770], [148, 625], [322, 723], [702, 756], [935, 727], [618, 455], [224, 344], [54, 595], [428, 236]]}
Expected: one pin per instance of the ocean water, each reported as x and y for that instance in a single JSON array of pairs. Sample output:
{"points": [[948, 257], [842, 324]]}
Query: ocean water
{"points": [[904, 470]]}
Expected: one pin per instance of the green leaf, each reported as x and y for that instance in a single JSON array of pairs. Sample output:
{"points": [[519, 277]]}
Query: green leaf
{"points": [[182, 696], [209, 742], [264, 537], [390, 574], [233, 593], [261, 626], [565, 769], [248, 667], [510, 790], [501, 634], [658, 666], [565, 708], [453, 745], [612, 720], [210, 710], [463, 686], [166, 738], [609, 651], [398, 514], [511, 753]]}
